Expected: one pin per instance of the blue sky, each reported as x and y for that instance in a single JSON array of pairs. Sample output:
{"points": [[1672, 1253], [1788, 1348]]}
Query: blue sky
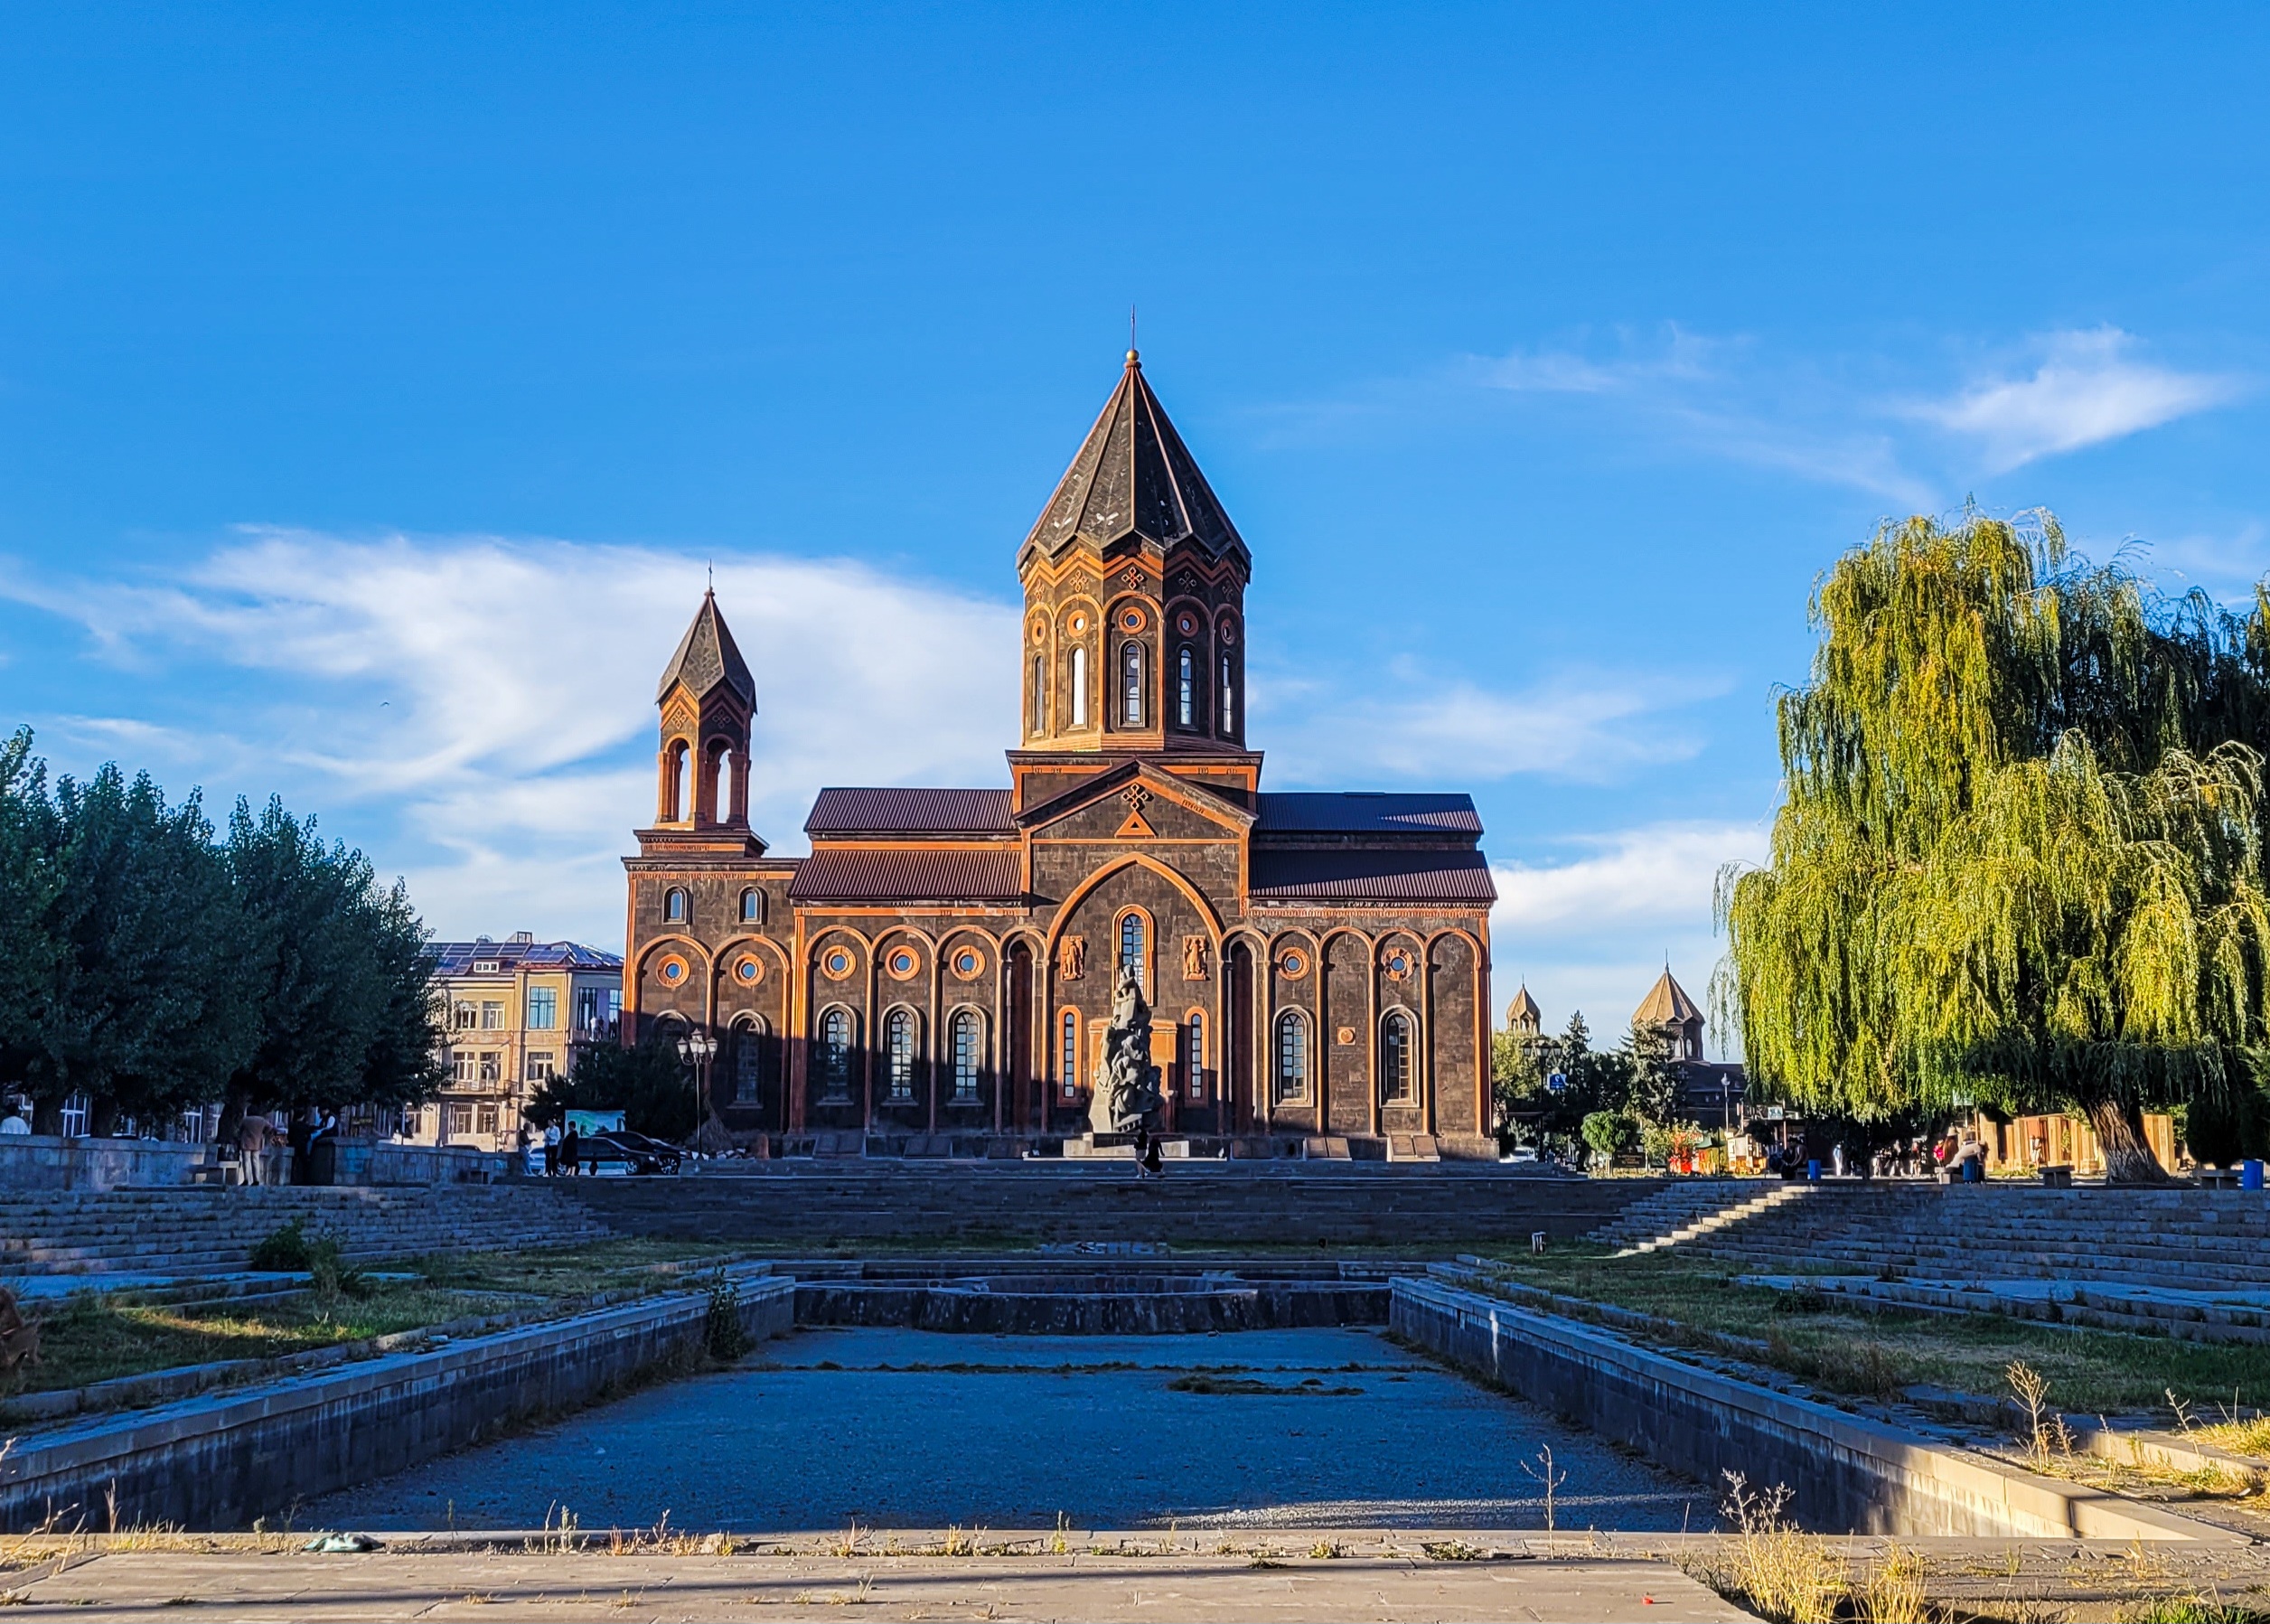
{"points": [[375, 383]]}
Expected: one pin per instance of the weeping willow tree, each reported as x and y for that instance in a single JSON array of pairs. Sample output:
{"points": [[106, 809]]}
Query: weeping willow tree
{"points": [[2018, 862]]}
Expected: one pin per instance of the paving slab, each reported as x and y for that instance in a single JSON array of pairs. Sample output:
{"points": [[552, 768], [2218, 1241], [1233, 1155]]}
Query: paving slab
{"points": [[1184, 1586], [920, 1429]]}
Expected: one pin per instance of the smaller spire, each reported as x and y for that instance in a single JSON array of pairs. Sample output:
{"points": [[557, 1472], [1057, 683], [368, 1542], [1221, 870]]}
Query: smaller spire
{"points": [[706, 657]]}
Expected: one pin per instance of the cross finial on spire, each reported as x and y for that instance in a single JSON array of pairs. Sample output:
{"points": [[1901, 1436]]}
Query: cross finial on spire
{"points": [[1132, 351]]}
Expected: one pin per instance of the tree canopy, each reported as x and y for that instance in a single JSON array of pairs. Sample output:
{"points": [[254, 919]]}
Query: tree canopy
{"points": [[152, 968], [2019, 858]]}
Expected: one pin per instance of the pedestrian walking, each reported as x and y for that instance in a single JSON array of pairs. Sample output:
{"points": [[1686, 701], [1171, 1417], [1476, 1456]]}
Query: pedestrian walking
{"points": [[551, 1150], [568, 1147], [1142, 1150], [1148, 1158], [252, 1142]]}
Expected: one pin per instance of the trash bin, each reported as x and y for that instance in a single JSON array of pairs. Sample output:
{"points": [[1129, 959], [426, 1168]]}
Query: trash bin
{"points": [[1813, 1170], [2249, 1175], [1973, 1170]]}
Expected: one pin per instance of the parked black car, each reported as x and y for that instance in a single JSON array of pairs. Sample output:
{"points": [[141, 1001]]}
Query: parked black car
{"points": [[641, 1154]]}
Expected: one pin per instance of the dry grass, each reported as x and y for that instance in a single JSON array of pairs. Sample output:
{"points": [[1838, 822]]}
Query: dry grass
{"points": [[1780, 1573], [2239, 1437]]}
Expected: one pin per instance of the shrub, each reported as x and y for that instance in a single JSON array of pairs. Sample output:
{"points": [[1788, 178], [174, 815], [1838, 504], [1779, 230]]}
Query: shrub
{"points": [[284, 1250], [723, 1335]]}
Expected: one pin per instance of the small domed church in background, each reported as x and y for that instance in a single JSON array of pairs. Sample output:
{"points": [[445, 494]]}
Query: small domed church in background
{"points": [[938, 974]]}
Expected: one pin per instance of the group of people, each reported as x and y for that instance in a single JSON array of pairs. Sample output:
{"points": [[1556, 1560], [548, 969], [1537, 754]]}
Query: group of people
{"points": [[562, 1151], [1962, 1156], [257, 1135]]}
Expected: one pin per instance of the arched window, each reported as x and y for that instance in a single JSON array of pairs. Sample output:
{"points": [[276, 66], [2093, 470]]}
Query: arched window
{"points": [[1131, 685], [966, 1043], [750, 1053], [1069, 1068], [675, 784], [1185, 688], [720, 784], [1039, 701], [752, 906], [674, 905], [1132, 960], [834, 1058], [1079, 688], [898, 1052], [1292, 1057], [1194, 1062], [1394, 1058], [1229, 704]]}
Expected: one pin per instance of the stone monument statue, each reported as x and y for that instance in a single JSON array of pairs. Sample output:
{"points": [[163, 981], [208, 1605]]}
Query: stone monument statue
{"points": [[1127, 1089]]}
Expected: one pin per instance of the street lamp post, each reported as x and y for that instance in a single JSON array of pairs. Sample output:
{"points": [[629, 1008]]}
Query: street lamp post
{"points": [[697, 1049]]}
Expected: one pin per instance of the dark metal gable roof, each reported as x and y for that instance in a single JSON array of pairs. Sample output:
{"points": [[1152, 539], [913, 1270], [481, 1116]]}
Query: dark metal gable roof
{"points": [[706, 656], [1134, 476], [868, 811], [1351, 812], [1377, 876]]}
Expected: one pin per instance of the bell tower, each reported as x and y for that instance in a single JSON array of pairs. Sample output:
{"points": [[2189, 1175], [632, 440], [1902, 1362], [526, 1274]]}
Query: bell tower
{"points": [[707, 701], [1134, 630]]}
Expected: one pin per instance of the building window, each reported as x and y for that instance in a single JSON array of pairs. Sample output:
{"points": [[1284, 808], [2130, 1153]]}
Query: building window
{"points": [[1185, 688], [465, 1015], [492, 1015], [460, 1113], [1069, 1068], [492, 1067], [587, 1009], [835, 1057], [1079, 688], [1194, 1055], [752, 906], [1039, 709], [1131, 685], [898, 1049], [1229, 705], [77, 1109], [674, 905], [615, 1009], [1394, 1058], [1292, 1058], [486, 1117], [1132, 956], [461, 1067], [748, 1064], [965, 1057], [543, 1008], [541, 1067]]}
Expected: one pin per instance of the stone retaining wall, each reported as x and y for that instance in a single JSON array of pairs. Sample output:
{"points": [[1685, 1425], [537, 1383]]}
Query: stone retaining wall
{"points": [[222, 1462], [1847, 1474]]}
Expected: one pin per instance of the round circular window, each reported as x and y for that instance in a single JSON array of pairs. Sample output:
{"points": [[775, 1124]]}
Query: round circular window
{"points": [[837, 962], [1399, 965], [1293, 963], [1132, 620], [967, 963], [749, 972], [901, 962], [1079, 622], [1040, 629], [673, 970], [1229, 631], [1187, 623]]}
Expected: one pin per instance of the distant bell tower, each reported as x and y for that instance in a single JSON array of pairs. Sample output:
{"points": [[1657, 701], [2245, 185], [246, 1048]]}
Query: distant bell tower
{"points": [[1134, 638], [708, 701]]}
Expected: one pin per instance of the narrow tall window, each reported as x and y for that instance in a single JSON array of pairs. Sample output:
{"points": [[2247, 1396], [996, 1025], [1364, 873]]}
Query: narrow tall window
{"points": [[1394, 1058], [1040, 690], [748, 1065], [1229, 703], [1069, 1072], [543, 1008], [1194, 1062], [898, 1047], [835, 1057], [965, 1057], [752, 906], [1185, 689], [1292, 1058], [1079, 688], [1131, 685], [674, 906], [1131, 955]]}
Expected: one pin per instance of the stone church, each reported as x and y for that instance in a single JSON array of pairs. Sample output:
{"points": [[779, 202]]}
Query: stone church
{"points": [[939, 972]]}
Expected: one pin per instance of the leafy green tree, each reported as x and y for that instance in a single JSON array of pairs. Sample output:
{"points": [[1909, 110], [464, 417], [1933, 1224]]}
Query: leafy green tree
{"points": [[340, 989], [144, 1010], [648, 1084], [2019, 858], [1651, 1076], [1609, 1133]]}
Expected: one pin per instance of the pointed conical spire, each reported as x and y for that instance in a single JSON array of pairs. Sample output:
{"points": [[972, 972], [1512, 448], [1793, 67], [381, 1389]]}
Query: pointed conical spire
{"points": [[1666, 1004], [1523, 1014], [706, 656], [1134, 476]]}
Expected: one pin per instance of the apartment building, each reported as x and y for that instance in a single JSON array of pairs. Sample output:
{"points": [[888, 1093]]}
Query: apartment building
{"points": [[513, 1012]]}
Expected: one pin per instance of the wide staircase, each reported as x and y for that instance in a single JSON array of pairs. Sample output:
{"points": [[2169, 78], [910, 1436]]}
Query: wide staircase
{"points": [[178, 1232], [2191, 1239], [1233, 1205]]}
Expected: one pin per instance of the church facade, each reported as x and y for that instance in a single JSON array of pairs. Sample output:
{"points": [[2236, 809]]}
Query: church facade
{"points": [[941, 968]]}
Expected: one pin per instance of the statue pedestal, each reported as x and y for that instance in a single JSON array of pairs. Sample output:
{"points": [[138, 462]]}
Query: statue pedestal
{"points": [[1121, 1147]]}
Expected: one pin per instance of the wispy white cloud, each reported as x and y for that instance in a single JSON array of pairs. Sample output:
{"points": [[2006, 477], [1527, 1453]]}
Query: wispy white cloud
{"points": [[1678, 357], [2087, 387], [1593, 932], [492, 695], [1581, 727]]}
